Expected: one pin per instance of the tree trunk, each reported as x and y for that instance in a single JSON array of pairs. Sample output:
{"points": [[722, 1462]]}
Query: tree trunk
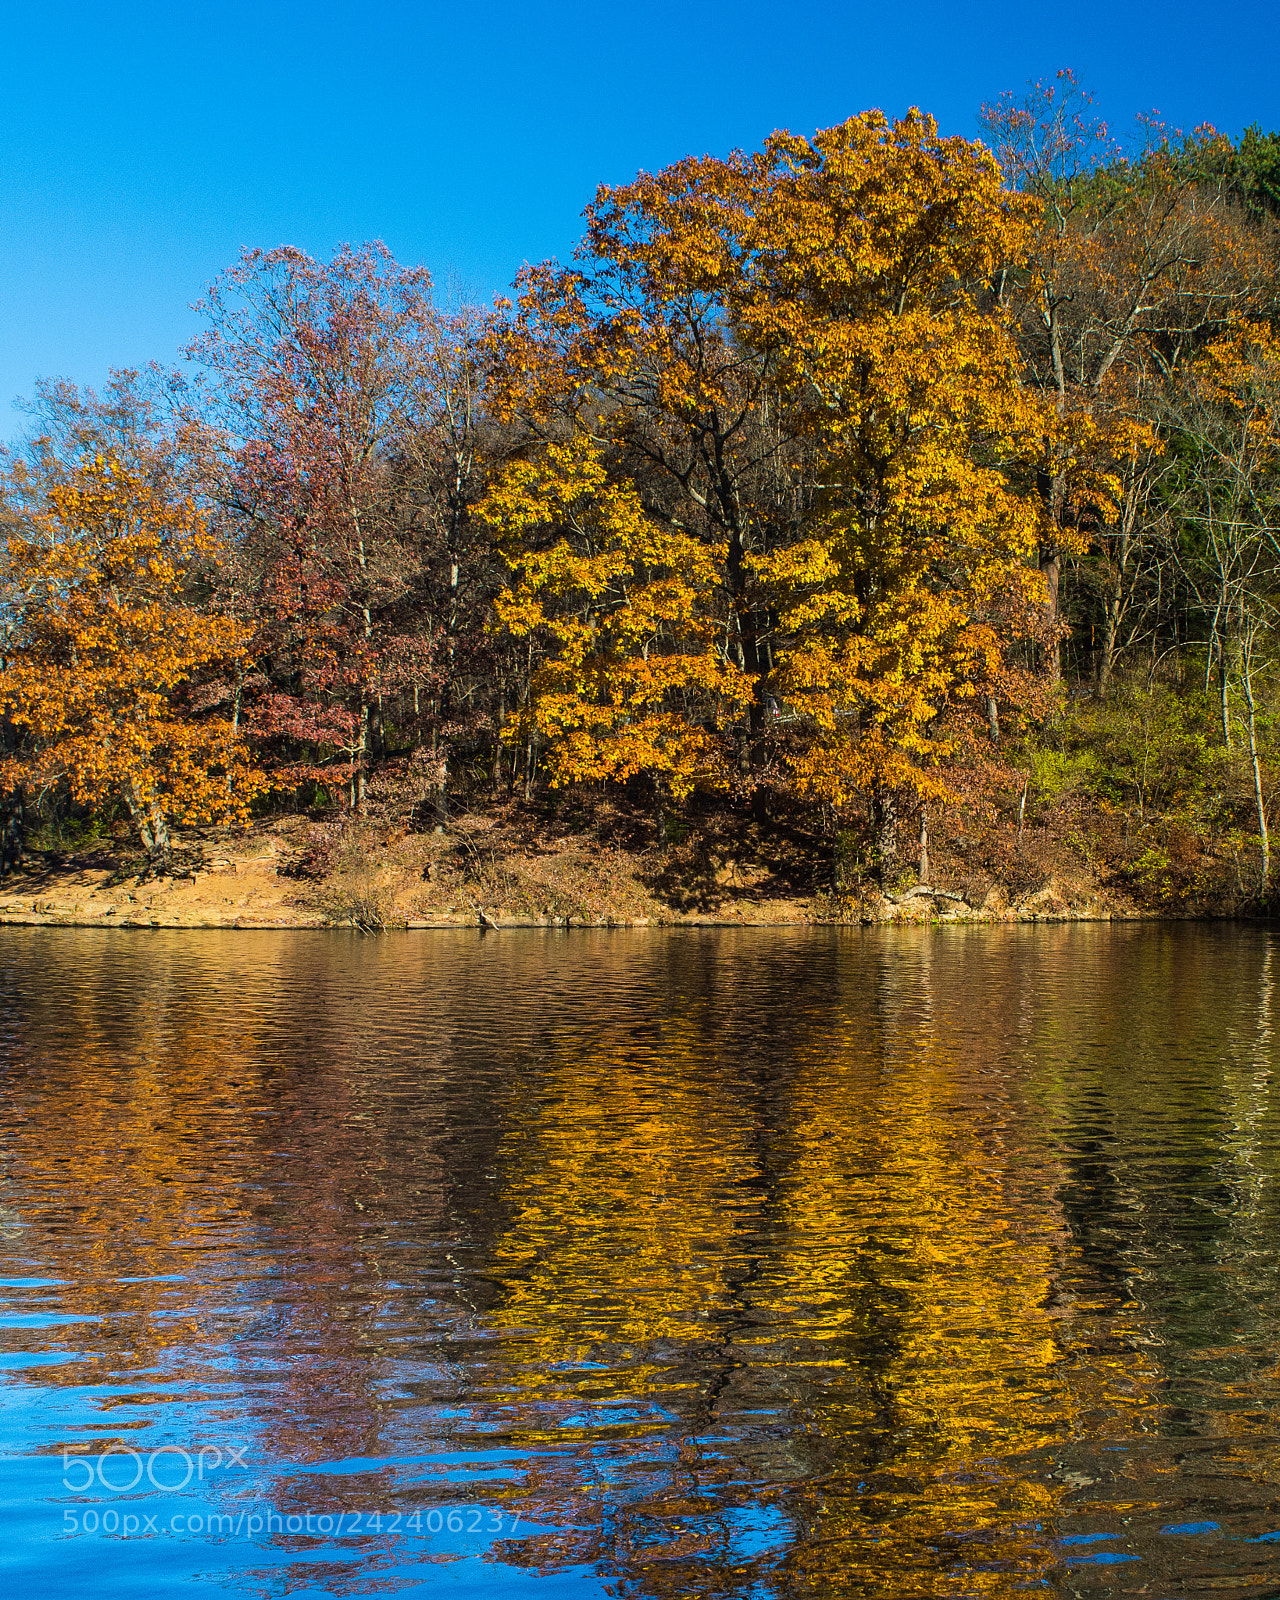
{"points": [[993, 719], [11, 832], [363, 754], [451, 641], [529, 767], [497, 742], [1246, 674], [1110, 629], [1051, 567], [1053, 484], [150, 822], [1114, 603], [362, 750], [924, 842], [745, 648], [884, 820], [159, 831], [442, 786]]}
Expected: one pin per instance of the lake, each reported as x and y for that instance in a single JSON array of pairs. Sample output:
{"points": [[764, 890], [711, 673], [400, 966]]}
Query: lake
{"points": [[653, 1262]]}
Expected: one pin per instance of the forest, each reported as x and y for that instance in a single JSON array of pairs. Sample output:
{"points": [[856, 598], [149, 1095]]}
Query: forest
{"points": [[886, 487]]}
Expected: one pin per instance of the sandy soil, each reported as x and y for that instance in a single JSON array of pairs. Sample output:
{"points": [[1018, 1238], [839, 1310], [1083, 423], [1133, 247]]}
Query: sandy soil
{"points": [[586, 864]]}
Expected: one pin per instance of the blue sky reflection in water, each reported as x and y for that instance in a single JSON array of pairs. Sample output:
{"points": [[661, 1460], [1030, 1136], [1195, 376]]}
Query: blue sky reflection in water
{"points": [[651, 1263]]}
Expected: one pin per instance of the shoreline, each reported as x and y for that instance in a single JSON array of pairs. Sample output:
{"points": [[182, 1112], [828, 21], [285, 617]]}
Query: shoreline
{"points": [[525, 867], [11, 918]]}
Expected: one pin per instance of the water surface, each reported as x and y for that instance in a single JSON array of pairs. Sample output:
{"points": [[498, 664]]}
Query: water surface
{"points": [[662, 1262]]}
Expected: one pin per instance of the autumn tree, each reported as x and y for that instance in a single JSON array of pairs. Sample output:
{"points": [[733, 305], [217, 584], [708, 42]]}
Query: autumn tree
{"points": [[441, 469], [635, 349], [135, 419], [785, 355], [114, 674], [875, 243], [1251, 171], [620, 608], [1137, 260], [1224, 424], [312, 376]]}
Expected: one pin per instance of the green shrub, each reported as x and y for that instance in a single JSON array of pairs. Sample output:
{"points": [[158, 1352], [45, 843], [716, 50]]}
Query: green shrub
{"points": [[675, 830], [1056, 772], [1151, 749]]}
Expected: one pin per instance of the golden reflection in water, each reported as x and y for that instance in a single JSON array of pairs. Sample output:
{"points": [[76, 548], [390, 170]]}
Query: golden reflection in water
{"points": [[179, 1160], [826, 1266], [911, 1287]]}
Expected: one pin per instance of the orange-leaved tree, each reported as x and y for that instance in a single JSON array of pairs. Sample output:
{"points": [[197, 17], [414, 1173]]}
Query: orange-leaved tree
{"points": [[633, 676], [112, 676]]}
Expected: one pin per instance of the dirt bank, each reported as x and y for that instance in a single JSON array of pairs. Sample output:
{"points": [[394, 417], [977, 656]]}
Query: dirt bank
{"points": [[586, 861]]}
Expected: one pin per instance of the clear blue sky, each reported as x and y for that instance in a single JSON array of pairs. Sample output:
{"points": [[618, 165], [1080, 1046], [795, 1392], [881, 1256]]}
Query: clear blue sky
{"points": [[143, 145]]}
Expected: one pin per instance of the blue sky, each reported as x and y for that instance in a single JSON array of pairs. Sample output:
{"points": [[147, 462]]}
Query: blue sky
{"points": [[142, 146]]}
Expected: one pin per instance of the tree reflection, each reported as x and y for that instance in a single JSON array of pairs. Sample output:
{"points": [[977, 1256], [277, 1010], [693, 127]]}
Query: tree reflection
{"points": [[843, 1300], [811, 1263]]}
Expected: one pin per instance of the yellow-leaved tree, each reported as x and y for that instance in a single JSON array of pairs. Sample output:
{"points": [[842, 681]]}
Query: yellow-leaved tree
{"points": [[797, 362], [631, 675], [110, 678], [877, 243]]}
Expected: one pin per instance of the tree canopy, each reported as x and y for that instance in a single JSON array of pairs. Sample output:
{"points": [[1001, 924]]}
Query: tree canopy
{"points": [[824, 468]]}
